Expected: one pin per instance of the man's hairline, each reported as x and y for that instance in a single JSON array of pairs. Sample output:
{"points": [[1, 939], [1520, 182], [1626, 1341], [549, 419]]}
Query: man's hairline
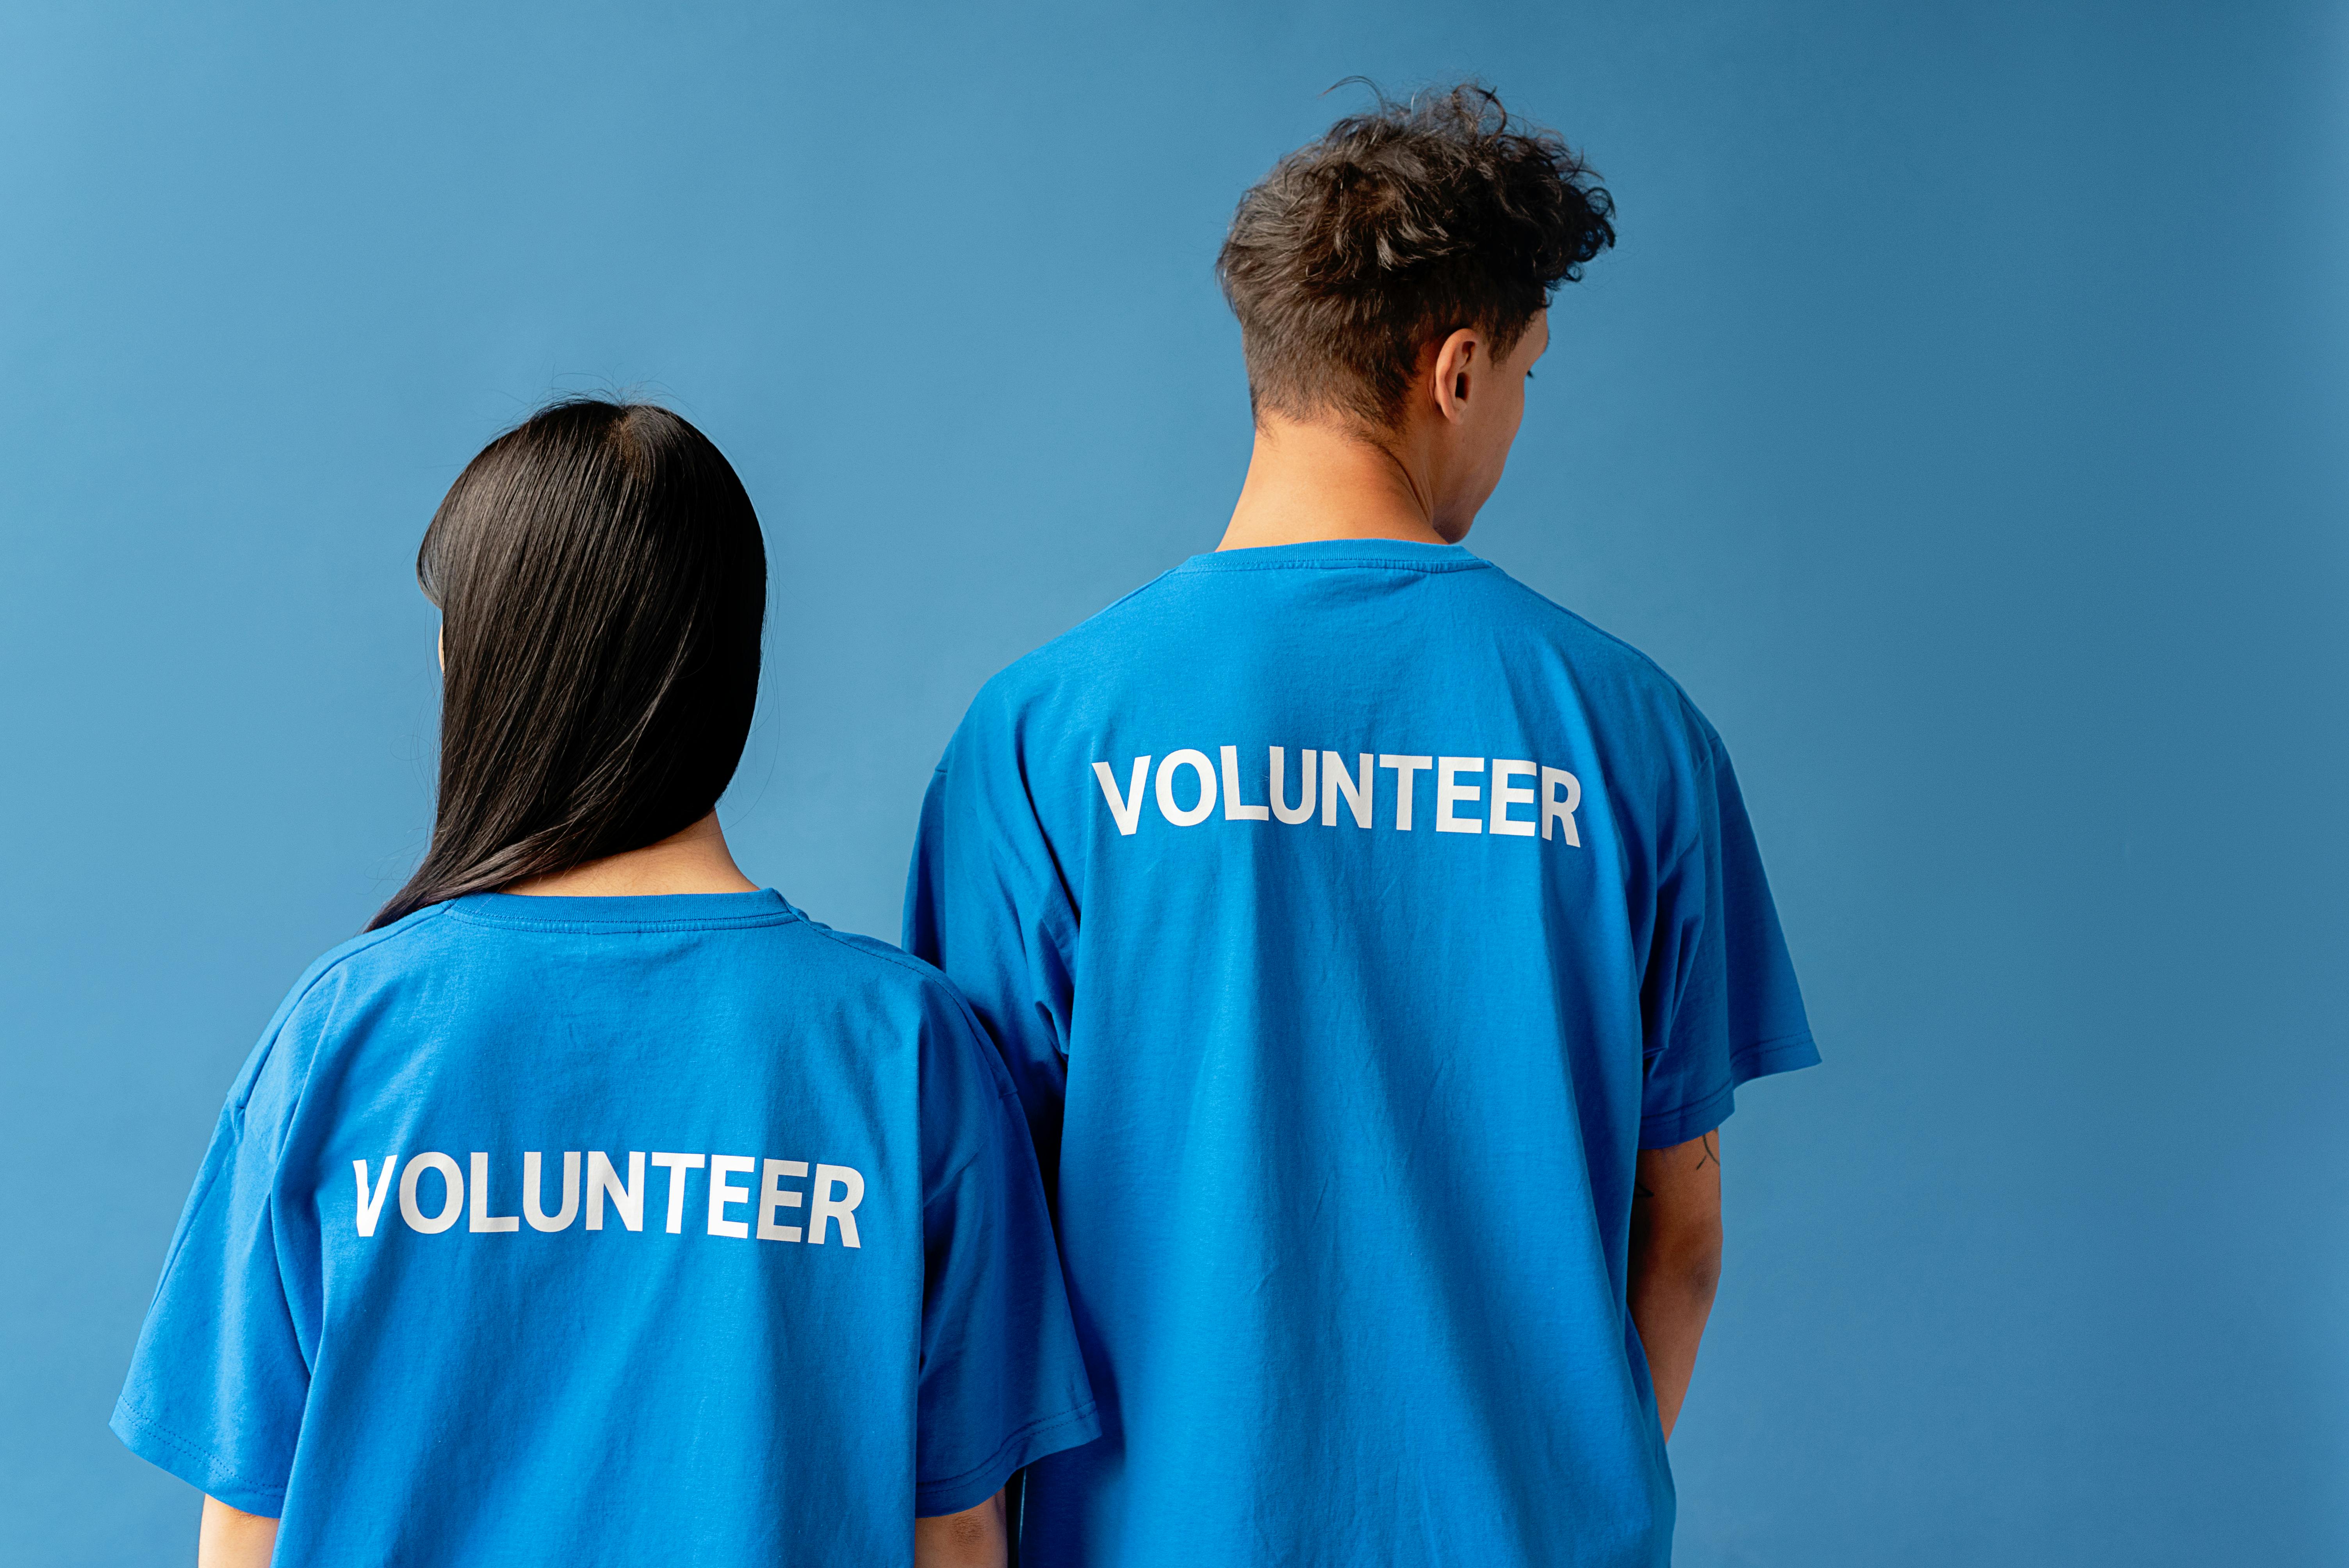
{"points": [[1337, 412]]}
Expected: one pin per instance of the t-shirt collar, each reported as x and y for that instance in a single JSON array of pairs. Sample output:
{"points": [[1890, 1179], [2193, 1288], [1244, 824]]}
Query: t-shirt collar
{"points": [[671, 910], [1403, 553]]}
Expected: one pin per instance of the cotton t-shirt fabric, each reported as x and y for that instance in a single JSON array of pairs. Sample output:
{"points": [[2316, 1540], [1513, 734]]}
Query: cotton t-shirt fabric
{"points": [[611, 1231], [1349, 915]]}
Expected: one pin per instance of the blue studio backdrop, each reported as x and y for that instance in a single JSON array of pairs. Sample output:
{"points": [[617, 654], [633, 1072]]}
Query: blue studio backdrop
{"points": [[1961, 419]]}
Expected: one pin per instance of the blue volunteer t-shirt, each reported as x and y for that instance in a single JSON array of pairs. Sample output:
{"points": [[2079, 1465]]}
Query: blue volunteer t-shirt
{"points": [[611, 1231], [1349, 915]]}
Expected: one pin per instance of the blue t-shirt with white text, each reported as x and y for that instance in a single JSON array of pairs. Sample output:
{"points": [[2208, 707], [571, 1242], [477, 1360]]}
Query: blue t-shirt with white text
{"points": [[671, 1229], [1349, 915]]}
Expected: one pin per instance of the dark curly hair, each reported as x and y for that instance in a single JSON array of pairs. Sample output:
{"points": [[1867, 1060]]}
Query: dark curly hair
{"points": [[1400, 226]]}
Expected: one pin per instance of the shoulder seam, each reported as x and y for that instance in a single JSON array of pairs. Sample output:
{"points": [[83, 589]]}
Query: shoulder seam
{"points": [[917, 968], [937, 978], [882, 950], [986, 687], [1689, 708], [366, 942], [1537, 596]]}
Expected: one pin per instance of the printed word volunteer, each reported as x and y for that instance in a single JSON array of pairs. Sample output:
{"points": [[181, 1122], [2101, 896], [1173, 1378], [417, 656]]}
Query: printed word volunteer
{"points": [[830, 1200], [1188, 773]]}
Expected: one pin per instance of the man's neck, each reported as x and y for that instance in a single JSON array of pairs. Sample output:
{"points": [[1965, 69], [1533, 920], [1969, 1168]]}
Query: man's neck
{"points": [[1312, 480]]}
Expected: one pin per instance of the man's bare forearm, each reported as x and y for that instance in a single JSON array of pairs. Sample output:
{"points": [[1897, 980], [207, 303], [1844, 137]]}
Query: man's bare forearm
{"points": [[1675, 1261], [975, 1537]]}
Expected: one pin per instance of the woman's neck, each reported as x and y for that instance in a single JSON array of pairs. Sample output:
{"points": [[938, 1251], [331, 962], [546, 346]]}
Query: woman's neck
{"points": [[695, 861]]}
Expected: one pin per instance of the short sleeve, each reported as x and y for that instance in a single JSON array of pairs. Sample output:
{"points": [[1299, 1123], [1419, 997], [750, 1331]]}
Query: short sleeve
{"points": [[985, 902], [218, 1383], [1720, 1000], [1002, 1379]]}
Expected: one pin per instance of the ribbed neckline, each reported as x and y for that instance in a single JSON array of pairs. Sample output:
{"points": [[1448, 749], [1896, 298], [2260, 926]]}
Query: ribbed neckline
{"points": [[1395, 553], [658, 912]]}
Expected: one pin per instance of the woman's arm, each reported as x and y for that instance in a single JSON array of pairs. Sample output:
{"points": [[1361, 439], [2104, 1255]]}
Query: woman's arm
{"points": [[231, 1538], [1675, 1260], [971, 1538]]}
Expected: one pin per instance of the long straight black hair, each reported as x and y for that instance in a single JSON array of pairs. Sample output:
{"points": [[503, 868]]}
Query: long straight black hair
{"points": [[602, 587]]}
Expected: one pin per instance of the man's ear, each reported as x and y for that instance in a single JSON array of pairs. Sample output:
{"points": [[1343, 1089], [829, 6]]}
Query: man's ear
{"points": [[1459, 362]]}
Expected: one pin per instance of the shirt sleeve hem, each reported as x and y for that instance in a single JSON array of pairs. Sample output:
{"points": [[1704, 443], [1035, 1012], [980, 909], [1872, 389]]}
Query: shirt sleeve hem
{"points": [[952, 1495], [196, 1465], [1779, 1056], [1670, 1129]]}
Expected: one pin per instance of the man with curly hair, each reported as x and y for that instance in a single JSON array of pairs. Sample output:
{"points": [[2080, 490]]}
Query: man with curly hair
{"points": [[1375, 944]]}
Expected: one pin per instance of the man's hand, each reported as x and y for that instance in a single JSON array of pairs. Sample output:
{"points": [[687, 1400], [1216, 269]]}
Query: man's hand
{"points": [[1675, 1260], [972, 1539]]}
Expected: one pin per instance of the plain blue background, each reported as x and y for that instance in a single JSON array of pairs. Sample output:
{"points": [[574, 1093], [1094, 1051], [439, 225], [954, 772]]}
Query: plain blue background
{"points": [[1961, 419]]}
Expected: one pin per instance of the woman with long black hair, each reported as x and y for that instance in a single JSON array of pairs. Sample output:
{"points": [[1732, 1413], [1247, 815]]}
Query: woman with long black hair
{"points": [[597, 1206]]}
